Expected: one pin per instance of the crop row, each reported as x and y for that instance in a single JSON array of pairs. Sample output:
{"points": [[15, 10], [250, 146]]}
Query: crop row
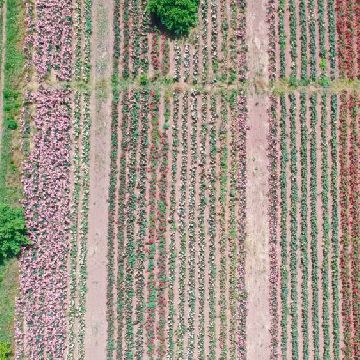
{"points": [[81, 123], [273, 211], [347, 25], [349, 201], [242, 183]]}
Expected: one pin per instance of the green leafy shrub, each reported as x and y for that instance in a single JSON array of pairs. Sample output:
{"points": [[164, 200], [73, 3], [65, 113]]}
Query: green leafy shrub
{"points": [[176, 16], [12, 124], [5, 350], [12, 231]]}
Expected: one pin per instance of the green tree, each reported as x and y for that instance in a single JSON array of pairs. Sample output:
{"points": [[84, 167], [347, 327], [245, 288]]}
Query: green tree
{"points": [[12, 231], [176, 16]]}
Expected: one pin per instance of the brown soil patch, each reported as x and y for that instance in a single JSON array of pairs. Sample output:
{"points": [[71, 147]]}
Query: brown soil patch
{"points": [[95, 317], [257, 242]]}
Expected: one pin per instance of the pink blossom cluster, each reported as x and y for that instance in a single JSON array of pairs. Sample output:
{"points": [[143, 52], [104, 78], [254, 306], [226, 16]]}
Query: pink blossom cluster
{"points": [[52, 38], [41, 326]]}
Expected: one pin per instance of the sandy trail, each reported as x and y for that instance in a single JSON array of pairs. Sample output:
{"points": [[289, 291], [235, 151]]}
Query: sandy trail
{"points": [[95, 317], [257, 242]]}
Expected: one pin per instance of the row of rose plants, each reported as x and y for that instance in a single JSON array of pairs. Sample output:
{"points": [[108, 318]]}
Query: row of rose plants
{"points": [[201, 233], [325, 227], [142, 222], [354, 203], [293, 212], [162, 257], [173, 225], [349, 202], [182, 226], [192, 224], [152, 242], [223, 235], [81, 123], [131, 212], [212, 226], [242, 185], [273, 216], [284, 272], [304, 241], [334, 193], [314, 230], [345, 270]]}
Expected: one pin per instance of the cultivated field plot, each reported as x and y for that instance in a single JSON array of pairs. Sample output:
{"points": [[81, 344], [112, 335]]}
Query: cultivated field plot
{"points": [[194, 197], [177, 214]]}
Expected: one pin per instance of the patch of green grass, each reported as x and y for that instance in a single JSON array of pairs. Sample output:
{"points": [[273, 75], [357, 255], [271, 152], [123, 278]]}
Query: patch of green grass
{"points": [[10, 156], [10, 191], [8, 292]]}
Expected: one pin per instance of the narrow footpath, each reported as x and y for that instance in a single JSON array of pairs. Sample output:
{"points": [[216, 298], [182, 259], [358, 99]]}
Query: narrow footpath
{"points": [[257, 242], [100, 136]]}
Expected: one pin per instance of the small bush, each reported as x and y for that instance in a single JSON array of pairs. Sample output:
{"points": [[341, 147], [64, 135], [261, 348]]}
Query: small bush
{"points": [[12, 124], [143, 80], [176, 16], [12, 231], [5, 350]]}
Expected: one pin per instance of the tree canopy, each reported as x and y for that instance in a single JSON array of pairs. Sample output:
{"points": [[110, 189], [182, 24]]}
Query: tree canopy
{"points": [[176, 16], [12, 231]]}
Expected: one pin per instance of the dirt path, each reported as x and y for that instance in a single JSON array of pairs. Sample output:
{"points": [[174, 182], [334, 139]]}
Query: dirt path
{"points": [[257, 260], [95, 317]]}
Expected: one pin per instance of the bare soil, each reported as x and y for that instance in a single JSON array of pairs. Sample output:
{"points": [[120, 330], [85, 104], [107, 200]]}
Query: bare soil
{"points": [[95, 317], [257, 242]]}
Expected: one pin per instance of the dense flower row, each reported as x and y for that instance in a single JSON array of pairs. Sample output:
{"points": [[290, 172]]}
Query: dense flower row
{"points": [[53, 38], [41, 307]]}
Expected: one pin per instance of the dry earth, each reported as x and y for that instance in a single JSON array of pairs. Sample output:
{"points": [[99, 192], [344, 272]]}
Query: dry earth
{"points": [[257, 259], [102, 46]]}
